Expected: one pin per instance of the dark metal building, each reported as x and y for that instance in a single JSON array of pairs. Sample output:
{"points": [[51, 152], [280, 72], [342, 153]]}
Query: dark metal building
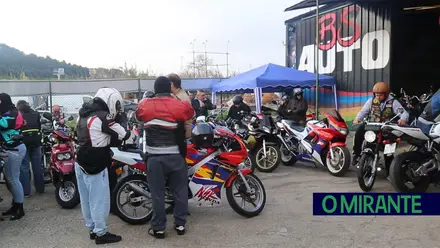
{"points": [[367, 41]]}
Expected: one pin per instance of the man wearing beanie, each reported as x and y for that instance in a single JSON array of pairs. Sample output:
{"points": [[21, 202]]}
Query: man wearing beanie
{"points": [[164, 118]]}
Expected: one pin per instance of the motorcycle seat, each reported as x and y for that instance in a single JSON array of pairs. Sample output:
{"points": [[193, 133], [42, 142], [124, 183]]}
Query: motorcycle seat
{"points": [[294, 125]]}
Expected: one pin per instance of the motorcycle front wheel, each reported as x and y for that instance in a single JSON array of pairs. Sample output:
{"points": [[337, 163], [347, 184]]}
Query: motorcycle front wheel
{"points": [[256, 198], [340, 163], [365, 174], [402, 174], [67, 194], [268, 163]]}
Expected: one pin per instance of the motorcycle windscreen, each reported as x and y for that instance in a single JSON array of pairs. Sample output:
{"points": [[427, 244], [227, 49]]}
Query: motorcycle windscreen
{"points": [[207, 182]]}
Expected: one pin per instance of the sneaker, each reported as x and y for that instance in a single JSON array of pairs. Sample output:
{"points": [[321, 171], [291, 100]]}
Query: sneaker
{"points": [[180, 230], [156, 234], [107, 239], [92, 235]]}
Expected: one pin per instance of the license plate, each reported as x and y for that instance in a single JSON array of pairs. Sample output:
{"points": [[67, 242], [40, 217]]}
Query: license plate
{"points": [[390, 148]]}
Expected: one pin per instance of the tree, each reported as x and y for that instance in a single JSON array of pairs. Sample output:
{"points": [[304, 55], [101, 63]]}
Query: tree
{"points": [[202, 68]]}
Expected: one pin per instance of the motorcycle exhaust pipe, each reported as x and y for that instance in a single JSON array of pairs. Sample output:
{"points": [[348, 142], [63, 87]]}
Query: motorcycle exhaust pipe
{"points": [[427, 167], [284, 143], [139, 190]]}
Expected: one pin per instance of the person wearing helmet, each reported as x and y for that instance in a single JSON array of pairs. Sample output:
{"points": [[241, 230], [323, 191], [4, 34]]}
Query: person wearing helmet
{"points": [[282, 109], [296, 109], [98, 129], [237, 106], [164, 120], [381, 108]]}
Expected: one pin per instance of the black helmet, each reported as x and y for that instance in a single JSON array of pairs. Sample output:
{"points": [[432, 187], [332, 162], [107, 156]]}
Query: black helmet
{"points": [[202, 135], [148, 94], [237, 100]]}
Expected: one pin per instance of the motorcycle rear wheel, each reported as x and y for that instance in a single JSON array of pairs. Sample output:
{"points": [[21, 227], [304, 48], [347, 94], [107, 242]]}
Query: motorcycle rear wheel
{"points": [[260, 192], [399, 173], [365, 168]]}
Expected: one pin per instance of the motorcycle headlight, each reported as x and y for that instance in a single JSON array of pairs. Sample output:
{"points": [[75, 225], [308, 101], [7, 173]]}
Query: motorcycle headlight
{"points": [[63, 156], [344, 131], [370, 136]]}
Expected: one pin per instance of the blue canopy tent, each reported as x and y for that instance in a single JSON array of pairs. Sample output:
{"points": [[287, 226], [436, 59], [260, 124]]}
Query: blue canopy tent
{"points": [[199, 84], [272, 78]]}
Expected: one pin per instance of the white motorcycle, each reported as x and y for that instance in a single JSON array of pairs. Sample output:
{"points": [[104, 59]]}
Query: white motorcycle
{"points": [[413, 171]]}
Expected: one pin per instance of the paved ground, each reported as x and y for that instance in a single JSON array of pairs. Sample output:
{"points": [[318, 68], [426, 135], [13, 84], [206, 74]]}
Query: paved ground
{"points": [[287, 221]]}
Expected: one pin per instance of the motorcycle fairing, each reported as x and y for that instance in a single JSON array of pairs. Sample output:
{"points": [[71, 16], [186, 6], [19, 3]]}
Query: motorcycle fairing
{"points": [[207, 182]]}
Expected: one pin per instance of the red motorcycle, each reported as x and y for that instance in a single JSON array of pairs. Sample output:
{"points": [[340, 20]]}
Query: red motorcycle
{"points": [[321, 142], [220, 165], [62, 170]]}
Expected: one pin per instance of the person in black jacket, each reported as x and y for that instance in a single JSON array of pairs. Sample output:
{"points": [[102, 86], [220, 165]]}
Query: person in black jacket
{"points": [[97, 129], [31, 132], [237, 107], [296, 108], [202, 104]]}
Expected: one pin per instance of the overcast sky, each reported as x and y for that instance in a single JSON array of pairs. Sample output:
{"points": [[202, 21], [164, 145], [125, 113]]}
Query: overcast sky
{"points": [[151, 34]]}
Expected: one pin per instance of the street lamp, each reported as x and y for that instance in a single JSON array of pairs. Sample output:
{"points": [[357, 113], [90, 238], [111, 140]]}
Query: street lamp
{"points": [[206, 59], [194, 56], [227, 59]]}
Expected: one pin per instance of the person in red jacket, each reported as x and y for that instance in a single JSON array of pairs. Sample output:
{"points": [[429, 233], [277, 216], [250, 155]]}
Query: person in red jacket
{"points": [[164, 118]]}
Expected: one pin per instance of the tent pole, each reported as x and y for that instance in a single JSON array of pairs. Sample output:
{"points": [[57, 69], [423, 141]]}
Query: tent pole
{"points": [[335, 93], [317, 62]]}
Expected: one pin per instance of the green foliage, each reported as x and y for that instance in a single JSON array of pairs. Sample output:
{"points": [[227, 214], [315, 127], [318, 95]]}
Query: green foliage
{"points": [[14, 64]]}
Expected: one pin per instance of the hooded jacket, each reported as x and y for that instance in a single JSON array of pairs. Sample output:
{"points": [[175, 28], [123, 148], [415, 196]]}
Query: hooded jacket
{"points": [[95, 135], [10, 122]]}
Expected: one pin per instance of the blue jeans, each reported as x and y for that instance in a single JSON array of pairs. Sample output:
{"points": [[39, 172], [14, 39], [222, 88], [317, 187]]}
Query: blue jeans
{"points": [[12, 172], [94, 193], [34, 155]]}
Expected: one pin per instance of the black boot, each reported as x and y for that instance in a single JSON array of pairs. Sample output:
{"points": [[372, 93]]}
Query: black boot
{"points": [[19, 212], [11, 210]]}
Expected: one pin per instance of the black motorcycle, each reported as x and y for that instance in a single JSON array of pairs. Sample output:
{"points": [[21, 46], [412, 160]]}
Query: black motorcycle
{"points": [[414, 105], [265, 154]]}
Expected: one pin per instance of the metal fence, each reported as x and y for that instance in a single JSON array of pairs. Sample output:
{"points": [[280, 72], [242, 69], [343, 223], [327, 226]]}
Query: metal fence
{"points": [[70, 95]]}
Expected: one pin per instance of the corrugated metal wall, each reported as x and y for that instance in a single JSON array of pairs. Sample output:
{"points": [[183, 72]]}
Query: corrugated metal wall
{"points": [[354, 47]]}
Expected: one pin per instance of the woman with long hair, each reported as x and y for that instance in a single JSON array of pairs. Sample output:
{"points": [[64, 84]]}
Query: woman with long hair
{"points": [[10, 123]]}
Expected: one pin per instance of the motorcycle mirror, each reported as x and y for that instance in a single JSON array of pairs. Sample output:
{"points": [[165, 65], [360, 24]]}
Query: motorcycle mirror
{"points": [[70, 118]]}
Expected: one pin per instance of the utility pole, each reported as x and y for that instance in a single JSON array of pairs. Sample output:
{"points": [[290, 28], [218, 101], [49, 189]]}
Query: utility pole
{"points": [[205, 53], [317, 62], [206, 60], [194, 56], [227, 59]]}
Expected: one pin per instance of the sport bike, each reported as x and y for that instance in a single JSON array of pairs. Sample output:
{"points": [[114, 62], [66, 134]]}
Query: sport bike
{"points": [[321, 142], [413, 171], [209, 171]]}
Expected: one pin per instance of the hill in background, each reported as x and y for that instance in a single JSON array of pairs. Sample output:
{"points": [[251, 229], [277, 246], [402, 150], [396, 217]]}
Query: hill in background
{"points": [[15, 64]]}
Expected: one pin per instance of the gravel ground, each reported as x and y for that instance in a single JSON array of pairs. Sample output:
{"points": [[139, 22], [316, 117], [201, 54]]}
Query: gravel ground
{"points": [[287, 221]]}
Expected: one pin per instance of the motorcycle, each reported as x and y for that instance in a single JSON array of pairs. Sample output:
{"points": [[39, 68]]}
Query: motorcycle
{"points": [[413, 171], [265, 154], [321, 142], [415, 105], [61, 168], [204, 186], [378, 137]]}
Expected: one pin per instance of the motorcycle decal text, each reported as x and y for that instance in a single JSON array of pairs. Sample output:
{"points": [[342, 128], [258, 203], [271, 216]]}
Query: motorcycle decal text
{"points": [[208, 193]]}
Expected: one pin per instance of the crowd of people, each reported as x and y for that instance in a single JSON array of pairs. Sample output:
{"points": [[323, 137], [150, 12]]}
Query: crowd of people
{"points": [[166, 116]]}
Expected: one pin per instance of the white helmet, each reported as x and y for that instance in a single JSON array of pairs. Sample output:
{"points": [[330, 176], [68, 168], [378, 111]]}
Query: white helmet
{"points": [[113, 98]]}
